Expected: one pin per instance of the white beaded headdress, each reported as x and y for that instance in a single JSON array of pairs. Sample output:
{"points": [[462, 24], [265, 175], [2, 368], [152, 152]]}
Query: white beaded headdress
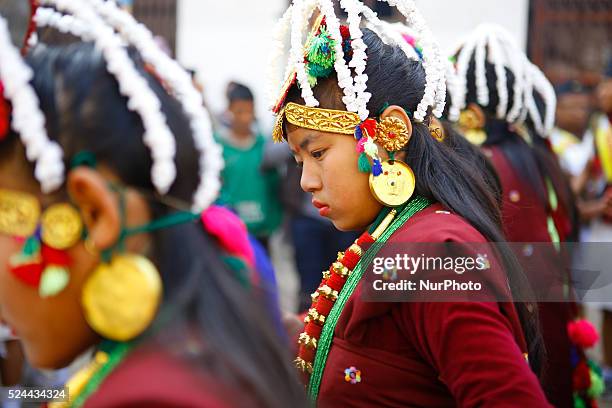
{"points": [[111, 28], [495, 45], [295, 22], [26, 118]]}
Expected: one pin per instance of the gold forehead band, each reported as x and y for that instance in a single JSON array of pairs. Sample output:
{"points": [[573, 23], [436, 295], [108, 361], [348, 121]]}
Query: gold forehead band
{"points": [[324, 120]]}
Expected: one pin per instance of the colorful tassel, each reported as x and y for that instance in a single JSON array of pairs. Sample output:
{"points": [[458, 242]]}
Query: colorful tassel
{"points": [[53, 281], [370, 148], [597, 385], [41, 266], [321, 55], [31, 247], [582, 377], [230, 232], [579, 402], [364, 163], [360, 145], [28, 273], [358, 133], [377, 168], [369, 126]]}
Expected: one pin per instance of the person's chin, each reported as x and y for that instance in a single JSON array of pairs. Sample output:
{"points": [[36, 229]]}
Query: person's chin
{"points": [[44, 359], [344, 225]]}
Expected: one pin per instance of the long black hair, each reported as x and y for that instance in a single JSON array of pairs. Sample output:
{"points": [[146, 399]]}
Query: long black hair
{"points": [[532, 160], [442, 174], [236, 342]]}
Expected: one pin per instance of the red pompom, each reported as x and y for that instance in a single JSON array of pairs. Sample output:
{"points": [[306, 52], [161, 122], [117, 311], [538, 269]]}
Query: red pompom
{"points": [[582, 377], [582, 333], [53, 256], [369, 126], [5, 114], [345, 32], [28, 273]]}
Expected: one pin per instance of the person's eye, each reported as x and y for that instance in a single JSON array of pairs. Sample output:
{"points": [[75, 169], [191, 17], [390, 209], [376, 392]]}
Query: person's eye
{"points": [[317, 154]]}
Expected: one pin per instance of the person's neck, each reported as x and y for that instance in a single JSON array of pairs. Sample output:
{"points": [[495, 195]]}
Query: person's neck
{"points": [[241, 138]]}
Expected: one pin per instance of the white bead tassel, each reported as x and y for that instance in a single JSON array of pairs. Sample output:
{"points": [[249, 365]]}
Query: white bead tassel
{"points": [[345, 80], [297, 53], [278, 45], [358, 60], [141, 98], [459, 93], [516, 61], [181, 86], [545, 88], [27, 119], [502, 82], [482, 90], [432, 62]]}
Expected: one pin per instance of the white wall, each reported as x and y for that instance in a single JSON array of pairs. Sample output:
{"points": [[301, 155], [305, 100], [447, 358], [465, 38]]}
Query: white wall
{"points": [[228, 40], [451, 19]]}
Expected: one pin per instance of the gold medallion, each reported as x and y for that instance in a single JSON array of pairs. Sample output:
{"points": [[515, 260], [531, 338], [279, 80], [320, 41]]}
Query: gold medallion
{"points": [[395, 185], [476, 137], [471, 125], [120, 299], [392, 134], [61, 226], [19, 213]]}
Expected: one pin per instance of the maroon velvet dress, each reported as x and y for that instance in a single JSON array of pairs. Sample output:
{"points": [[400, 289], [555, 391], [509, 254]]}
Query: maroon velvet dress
{"points": [[525, 221], [430, 354], [152, 378]]}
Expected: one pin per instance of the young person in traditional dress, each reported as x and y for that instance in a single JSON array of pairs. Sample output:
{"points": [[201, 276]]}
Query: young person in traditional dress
{"points": [[504, 104], [355, 102], [109, 245]]}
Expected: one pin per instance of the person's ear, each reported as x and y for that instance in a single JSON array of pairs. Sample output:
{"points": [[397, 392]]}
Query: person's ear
{"points": [[399, 113], [98, 205]]}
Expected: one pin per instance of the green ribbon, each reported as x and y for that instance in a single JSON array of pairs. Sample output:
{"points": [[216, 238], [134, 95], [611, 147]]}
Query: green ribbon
{"points": [[177, 218], [116, 353], [327, 334]]}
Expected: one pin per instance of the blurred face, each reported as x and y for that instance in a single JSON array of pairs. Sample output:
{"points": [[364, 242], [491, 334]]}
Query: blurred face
{"points": [[243, 116], [53, 330], [573, 111], [330, 173], [604, 96]]}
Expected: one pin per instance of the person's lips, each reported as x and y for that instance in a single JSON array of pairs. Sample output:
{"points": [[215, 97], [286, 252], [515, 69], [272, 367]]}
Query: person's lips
{"points": [[322, 207]]}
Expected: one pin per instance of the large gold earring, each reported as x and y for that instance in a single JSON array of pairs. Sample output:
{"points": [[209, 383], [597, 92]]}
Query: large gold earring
{"points": [[471, 124], [394, 184], [120, 299]]}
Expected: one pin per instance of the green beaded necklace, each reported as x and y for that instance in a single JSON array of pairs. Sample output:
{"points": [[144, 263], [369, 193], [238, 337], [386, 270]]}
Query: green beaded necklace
{"points": [[324, 344]]}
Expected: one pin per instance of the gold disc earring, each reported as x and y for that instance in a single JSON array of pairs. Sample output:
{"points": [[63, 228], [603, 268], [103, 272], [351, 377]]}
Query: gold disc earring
{"points": [[120, 299], [396, 182], [471, 124], [395, 185]]}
